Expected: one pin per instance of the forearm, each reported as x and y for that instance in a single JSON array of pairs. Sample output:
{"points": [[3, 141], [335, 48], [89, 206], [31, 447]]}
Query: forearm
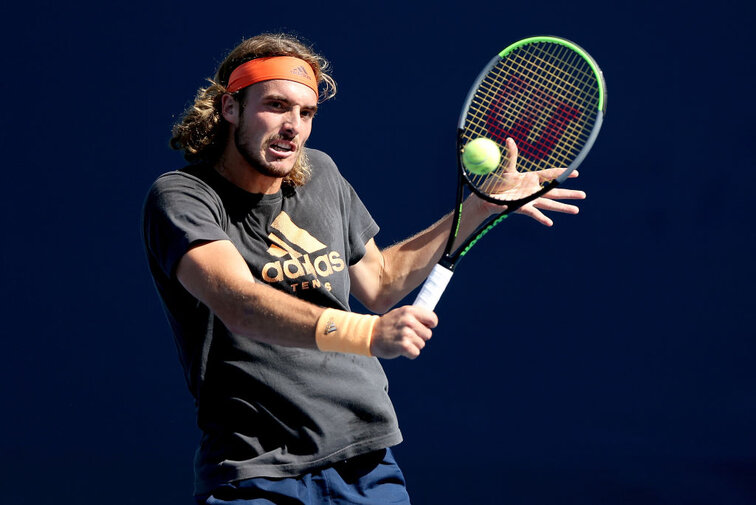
{"points": [[217, 275], [407, 263], [265, 314]]}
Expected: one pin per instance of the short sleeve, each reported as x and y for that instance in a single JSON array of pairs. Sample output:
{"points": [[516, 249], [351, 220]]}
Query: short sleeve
{"points": [[358, 225], [361, 227], [180, 210]]}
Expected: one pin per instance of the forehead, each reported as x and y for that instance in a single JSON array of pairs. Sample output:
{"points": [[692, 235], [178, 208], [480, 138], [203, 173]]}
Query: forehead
{"points": [[294, 92]]}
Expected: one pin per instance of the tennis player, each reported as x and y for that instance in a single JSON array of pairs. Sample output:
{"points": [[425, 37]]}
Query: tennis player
{"points": [[254, 248]]}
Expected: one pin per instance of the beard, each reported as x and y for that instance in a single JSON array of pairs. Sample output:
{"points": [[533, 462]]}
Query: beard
{"points": [[255, 158]]}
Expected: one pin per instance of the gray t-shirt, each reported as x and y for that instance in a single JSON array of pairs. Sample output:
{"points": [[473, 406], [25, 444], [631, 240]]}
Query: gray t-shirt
{"points": [[268, 410]]}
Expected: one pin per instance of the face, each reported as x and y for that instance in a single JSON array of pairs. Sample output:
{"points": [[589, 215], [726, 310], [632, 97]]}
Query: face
{"points": [[273, 125]]}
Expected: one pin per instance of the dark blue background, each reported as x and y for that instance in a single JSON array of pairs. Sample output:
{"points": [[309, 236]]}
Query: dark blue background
{"points": [[608, 360]]}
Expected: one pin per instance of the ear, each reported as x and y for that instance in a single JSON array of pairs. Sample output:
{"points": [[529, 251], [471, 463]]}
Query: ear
{"points": [[230, 109]]}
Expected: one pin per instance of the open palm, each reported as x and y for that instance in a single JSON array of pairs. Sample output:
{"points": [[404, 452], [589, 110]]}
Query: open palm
{"points": [[512, 185]]}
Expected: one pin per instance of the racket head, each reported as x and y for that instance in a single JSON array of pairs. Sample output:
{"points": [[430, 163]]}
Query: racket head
{"points": [[548, 95]]}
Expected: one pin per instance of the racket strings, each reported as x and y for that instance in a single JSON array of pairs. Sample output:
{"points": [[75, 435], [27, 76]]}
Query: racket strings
{"points": [[545, 97], [551, 90], [569, 78]]}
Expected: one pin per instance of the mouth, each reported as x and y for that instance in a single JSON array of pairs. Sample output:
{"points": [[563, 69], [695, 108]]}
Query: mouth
{"points": [[282, 147]]}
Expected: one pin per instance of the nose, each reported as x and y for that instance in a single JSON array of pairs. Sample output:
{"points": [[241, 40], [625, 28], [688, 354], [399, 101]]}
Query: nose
{"points": [[293, 121]]}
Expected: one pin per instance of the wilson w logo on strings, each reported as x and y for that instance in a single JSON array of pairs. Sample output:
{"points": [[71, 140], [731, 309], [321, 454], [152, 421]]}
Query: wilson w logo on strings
{"points": [[514, 111], [300, 258]]}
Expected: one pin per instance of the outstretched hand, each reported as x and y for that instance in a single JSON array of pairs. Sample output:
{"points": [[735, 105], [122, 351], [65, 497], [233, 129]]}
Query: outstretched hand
{"points": [[513, 185]]}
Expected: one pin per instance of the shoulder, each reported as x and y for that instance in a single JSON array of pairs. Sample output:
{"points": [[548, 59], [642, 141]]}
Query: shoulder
{"points": [[186, 181], [322, 164], [182, 193], [324, 171], [319, 158], [186, 178]]}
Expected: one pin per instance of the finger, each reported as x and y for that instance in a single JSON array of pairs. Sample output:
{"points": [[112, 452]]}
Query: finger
{"points": [[566, 194], [554, 206], [426, 317], [412, 346], [419, 330], [512, 155], [411, 352], [530, 211], [548, 174]]}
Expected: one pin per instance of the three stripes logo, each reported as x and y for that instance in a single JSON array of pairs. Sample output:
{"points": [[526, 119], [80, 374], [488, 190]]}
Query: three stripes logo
{"points": [[301, 72], [330, 327], [300, 258]]}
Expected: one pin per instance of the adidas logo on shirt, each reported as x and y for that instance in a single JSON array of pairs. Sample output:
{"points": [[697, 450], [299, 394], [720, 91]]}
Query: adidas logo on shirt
{"points": [[308, 261]]}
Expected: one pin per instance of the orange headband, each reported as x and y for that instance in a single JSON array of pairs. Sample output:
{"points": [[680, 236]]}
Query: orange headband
{"points": [[267, 69]]}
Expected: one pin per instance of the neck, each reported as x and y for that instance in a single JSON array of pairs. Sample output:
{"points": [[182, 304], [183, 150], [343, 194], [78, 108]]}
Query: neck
{"points": [[239, 172]]}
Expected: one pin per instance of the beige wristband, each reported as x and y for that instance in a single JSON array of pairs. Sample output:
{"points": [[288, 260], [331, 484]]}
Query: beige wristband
{"points": [[341, 331]]}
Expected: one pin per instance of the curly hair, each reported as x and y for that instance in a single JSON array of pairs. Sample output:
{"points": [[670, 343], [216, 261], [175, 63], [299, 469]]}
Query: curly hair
{"points": [[202, 132]]}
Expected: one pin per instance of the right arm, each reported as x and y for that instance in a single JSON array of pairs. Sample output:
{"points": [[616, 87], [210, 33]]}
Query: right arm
{"points": [[216, 274]]}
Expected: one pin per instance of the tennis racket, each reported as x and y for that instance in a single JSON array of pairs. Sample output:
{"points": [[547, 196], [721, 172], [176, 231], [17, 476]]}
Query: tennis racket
{"points": [[548, 95]]}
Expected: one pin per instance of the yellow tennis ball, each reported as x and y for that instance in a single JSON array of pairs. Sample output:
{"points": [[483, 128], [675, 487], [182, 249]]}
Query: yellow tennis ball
{"points": [[481, 156]]}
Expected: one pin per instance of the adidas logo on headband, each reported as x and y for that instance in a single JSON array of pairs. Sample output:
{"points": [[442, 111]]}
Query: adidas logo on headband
{"points": [[301, 72]]}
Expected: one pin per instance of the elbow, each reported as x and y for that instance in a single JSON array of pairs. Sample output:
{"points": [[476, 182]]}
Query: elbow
{"points": [[233, 322], [380, 304], [235, 325], [239, 314]]}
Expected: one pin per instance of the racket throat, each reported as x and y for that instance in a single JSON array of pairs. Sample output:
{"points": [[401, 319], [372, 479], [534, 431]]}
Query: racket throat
{"points": [[447, 263]]}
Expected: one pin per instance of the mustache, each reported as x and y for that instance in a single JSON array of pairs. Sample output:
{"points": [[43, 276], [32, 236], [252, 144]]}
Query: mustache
{"points": [[285, 138]]}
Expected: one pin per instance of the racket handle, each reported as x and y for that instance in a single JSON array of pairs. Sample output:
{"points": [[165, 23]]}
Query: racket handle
{"points": [[433, 287]]}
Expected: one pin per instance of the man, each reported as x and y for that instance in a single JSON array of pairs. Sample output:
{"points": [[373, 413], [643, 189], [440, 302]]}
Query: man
{"points": [[255, 248]]}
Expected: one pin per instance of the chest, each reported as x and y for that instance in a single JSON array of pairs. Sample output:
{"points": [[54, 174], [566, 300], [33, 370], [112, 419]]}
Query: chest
{"points": [[296, 246]]}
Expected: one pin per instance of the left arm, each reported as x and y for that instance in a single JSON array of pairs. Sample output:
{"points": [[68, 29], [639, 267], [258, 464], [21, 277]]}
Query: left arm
{"points": [[382, 278]]}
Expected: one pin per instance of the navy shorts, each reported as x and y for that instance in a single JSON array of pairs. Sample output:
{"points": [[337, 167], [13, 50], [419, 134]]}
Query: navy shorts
{"points": [[371, 479]]}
